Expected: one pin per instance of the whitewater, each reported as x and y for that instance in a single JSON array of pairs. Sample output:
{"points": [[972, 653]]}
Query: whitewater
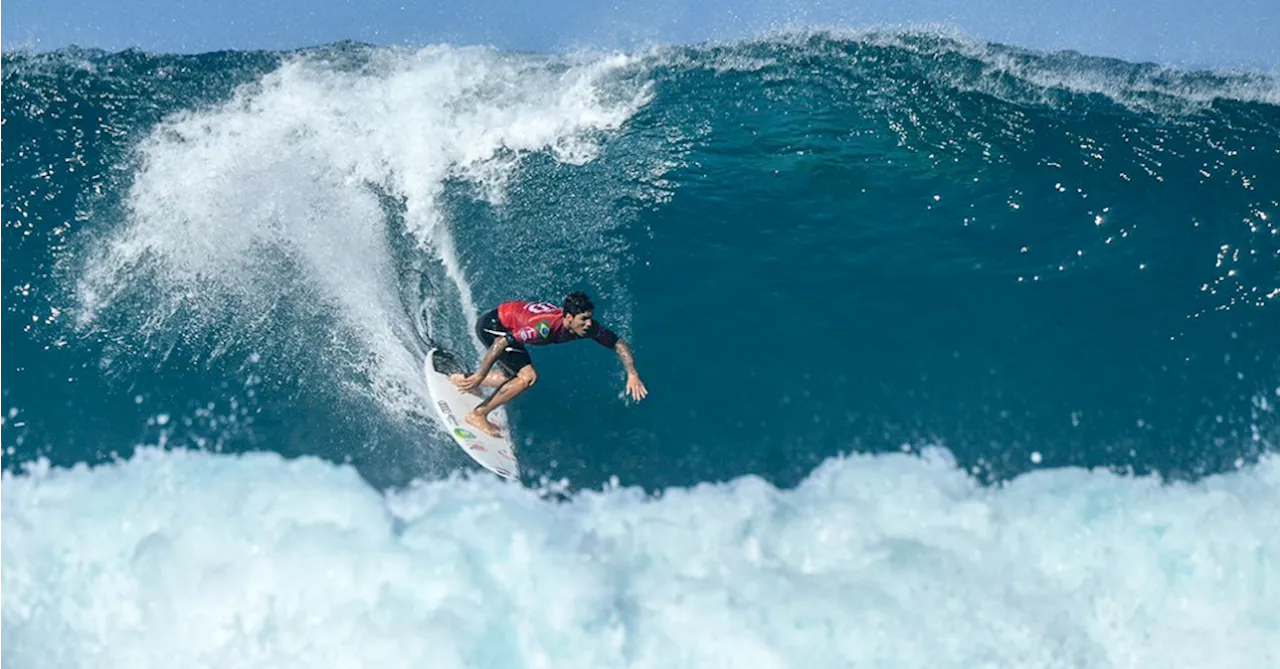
{"points": [[960, 355], [196, 560]]}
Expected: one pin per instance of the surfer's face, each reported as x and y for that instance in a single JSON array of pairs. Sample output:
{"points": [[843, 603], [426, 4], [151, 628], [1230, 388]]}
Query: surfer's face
{"points": [[578, 323]]}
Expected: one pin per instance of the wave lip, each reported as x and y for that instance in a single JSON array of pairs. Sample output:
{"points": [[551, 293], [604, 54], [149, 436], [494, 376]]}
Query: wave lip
{"points": [[192, 559], [953, 61]]}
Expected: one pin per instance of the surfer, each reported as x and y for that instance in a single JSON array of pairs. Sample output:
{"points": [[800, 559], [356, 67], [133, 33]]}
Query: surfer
{"points": [[507, 329]]}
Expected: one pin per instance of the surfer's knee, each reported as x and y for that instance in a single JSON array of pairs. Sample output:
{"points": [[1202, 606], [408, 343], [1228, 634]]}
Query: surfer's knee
{"points": [[496, 378], [528, 376]]}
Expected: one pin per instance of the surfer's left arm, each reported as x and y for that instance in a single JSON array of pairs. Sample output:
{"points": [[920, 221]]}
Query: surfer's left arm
{"points": [[490, 357], [635, 387]]}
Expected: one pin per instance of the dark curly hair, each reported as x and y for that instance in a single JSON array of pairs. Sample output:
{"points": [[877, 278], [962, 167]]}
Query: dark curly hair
{"points": [[576, 303]]}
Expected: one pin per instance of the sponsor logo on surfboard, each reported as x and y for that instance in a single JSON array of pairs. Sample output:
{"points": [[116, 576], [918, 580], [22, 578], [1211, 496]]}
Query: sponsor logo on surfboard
{"points": [[465, 434], [475, 447]]}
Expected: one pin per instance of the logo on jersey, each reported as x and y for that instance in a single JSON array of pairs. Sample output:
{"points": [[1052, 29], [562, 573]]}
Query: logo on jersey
{"points": [[540, 308], [544, 330], [526, 334]]}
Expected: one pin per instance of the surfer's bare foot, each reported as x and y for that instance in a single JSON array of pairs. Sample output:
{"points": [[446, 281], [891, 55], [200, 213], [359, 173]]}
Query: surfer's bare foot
{"points": [[482, 422]]}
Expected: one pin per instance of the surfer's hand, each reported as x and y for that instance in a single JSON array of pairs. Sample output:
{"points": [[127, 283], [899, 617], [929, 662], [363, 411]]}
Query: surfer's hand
{"points": [[469, 382], [635, 388]]}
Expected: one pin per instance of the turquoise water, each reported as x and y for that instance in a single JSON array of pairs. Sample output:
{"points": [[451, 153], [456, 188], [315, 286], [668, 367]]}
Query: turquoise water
{"points": [[925, 326]]}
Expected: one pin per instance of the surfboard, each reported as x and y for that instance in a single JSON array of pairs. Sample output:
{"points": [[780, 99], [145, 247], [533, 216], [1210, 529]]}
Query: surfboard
{"points": [[496, 454]]}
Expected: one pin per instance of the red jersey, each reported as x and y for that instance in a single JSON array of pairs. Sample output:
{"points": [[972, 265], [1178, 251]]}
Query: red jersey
{"points": [[540, 323]]}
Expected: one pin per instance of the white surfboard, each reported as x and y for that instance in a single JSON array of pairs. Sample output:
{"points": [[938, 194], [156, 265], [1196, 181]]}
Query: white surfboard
{"points": [[497, 454]]}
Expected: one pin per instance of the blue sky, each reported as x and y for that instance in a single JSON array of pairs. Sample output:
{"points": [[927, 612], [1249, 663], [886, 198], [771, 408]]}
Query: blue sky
{"points": [[1232, 33]]}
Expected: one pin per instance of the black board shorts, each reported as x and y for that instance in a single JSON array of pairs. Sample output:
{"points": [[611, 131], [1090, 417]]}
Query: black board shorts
{"points": [[489, 328]]}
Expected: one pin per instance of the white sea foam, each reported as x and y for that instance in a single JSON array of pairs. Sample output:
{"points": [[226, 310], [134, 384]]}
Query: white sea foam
{"points": [[184, 559]]}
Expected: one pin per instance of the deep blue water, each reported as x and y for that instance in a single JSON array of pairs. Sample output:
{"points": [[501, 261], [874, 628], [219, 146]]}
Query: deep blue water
{"points": [[816, 245]]}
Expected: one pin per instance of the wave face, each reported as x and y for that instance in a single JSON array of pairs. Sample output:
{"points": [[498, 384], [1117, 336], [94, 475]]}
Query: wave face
{"points": [[1036, 295]]}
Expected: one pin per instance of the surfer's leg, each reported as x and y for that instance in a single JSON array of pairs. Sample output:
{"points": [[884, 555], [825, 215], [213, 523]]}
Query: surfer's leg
{"points": [[521, 382], [496, 378]]}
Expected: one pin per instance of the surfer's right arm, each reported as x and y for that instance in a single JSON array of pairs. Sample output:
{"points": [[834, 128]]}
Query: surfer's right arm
{"points": [[500, 344]]}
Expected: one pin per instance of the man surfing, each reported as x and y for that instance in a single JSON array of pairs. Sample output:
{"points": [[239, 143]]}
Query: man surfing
{"points": [[507, 329]]}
